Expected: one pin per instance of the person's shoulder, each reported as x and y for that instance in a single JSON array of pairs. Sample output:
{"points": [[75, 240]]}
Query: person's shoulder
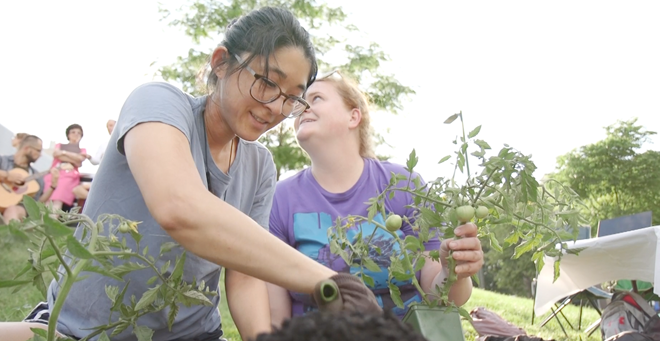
{"points": [[159, 90]]}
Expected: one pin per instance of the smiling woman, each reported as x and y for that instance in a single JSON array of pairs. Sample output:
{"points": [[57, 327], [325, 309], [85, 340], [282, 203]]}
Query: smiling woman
{"points": [[218, 210]]}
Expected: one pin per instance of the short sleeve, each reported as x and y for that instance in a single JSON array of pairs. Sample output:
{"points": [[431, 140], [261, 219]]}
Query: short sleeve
{"points": [[155, 102], [263, 198], [277, 226]]}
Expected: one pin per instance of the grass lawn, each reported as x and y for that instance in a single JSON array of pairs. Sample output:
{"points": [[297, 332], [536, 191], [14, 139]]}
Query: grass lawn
{"points": [[14, 306]]}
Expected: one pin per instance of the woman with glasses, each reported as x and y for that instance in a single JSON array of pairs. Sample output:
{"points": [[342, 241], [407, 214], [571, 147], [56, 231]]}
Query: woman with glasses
{"points": [[190, 171], [345, 173]]}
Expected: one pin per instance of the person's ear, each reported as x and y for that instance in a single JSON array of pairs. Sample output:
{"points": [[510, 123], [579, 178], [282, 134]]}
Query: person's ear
{"points": [[356, 118], [219, 60]]}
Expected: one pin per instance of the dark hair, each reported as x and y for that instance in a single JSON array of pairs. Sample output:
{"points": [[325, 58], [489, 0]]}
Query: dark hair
{"points": [[326, 326], [260, 33], [71, 127], [28, 140]]}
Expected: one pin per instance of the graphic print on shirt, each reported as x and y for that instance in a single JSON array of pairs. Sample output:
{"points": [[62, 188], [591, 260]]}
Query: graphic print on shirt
{"points": [[311, 238]]}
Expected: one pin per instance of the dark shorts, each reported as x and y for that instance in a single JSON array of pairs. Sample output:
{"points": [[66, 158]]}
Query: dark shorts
{"points": [[41, 315]]}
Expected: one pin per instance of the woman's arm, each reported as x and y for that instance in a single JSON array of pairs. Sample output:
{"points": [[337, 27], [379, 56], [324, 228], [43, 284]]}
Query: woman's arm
{"points": [[47, 192], [72, 158], [280, 304], [201, 222], [247, 299], [433, 274]]}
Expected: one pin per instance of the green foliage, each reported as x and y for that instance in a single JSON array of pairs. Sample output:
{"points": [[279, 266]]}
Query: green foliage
{"points": [[612, 175], [56, 253], [287, 155], [531, 218]]}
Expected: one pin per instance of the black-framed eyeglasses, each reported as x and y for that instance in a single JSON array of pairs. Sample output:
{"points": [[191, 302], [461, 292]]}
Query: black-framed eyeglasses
{"points": [[264, 90]]}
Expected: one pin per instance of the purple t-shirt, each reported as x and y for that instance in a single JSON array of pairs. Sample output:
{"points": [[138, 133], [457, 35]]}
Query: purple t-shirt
{"points": [[303, 211]]}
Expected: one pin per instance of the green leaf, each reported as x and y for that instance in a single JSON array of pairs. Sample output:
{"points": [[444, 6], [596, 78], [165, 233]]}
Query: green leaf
{"points": [[177, 273], [371, 265], [12, 283], [523, 248], [395, 294], [143, 333], [444, 159], [556, 272], [432, 218], [402, 277], [474, 132], [120, 298], [451, 118], [103, 337], [435, 255], [174, 310], [494, 243], [152, 280], [475, 279], [112, 291], [481, 143], [147, 298], [165, 267], [420, 264], [368, 281], [412, 161], [412, 243], [31, 207], [77, 249], [198, 298], [166, 247], [40, 332], [56, 229], [465, 314], [575, 251]]}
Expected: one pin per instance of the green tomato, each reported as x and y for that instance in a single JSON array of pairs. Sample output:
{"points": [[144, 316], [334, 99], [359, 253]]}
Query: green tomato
{"points": [[482, 212], [393, 222], [465, 213], [124, 228]]}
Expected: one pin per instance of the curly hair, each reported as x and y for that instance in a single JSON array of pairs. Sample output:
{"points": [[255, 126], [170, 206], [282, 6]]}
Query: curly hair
{"points": [[326, 326]]}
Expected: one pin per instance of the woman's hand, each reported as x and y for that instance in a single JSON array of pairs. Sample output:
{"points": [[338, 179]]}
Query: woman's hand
{"points": [[467, 251], [55, 176]]}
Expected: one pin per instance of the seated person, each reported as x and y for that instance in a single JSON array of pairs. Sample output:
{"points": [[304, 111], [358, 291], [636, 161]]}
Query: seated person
{"points": [[68, 157], [29, 150]]}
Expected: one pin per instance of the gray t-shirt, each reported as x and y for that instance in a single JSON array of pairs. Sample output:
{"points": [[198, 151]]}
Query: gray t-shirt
{"points": [[249, 187]]}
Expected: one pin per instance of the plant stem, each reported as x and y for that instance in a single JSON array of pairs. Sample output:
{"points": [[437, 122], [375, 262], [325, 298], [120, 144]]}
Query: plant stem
{"points": [[61, 296]]}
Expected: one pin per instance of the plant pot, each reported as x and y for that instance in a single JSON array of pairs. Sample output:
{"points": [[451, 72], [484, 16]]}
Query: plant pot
{"points": [[435, 324]]}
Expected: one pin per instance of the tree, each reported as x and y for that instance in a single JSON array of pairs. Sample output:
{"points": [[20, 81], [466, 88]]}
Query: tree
{"points": [[612, 175], [287, 155], [204, 21]]}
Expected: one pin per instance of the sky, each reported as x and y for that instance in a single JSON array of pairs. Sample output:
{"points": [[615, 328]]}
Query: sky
{"points": [[543, 77]]}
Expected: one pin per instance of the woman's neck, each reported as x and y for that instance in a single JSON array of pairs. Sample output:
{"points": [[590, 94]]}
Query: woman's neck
{"points": [[218, 133], [337, 171]]}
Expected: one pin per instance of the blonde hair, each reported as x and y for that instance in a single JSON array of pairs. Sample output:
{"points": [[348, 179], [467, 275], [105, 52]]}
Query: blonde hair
{"points": [[354, 98]]}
